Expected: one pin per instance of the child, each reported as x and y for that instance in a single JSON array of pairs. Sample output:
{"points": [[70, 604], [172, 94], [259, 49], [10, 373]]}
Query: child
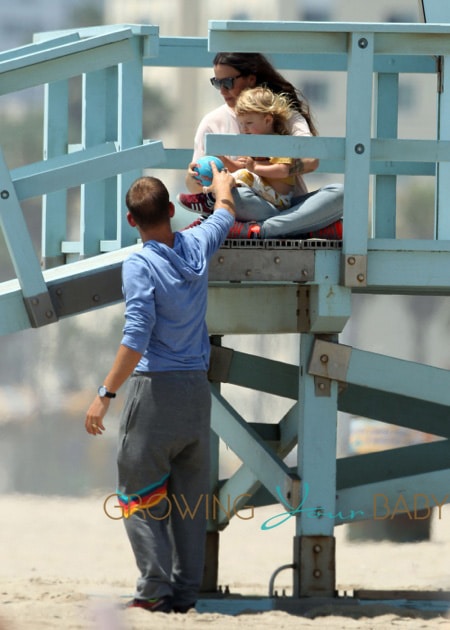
{"points": [[261, 111]]}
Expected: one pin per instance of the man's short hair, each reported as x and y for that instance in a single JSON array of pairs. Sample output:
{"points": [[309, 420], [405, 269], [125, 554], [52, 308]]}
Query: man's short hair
{"points": [[148, 202]]}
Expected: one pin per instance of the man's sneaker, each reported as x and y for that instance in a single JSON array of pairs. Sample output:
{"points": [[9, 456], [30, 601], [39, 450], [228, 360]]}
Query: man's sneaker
{"points": [[183, 608], [240, 230], [331, 232], [198, 221], [201, 203], [159, 604]]}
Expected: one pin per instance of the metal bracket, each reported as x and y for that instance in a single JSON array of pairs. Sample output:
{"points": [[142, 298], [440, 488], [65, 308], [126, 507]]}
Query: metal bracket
{"points": [[303, 309], [40, 310], [220, 364], [354, 270], [292, 488], [329, 360], [322, 386], [315, 566]]}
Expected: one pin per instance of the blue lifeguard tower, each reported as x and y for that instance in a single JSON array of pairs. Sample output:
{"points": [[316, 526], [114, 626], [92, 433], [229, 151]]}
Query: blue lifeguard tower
{"points": [[268, 287]]}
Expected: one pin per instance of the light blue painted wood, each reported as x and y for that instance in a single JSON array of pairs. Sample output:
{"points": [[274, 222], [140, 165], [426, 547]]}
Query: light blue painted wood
{"points": [[380, 498], [28, 49], [65, 61], [435, 11], [56, 138], [88, 165], [12, 307], [406, 378], [96, 31], [357, 143], [93, 195], [330, 307], [411, 150], [181, 52], [422, 272], [111, 124], [129, 134], [316, 452], [394, 30], [385, 188], [235, 432], [17, 238], [442, 220], [289, 146]]}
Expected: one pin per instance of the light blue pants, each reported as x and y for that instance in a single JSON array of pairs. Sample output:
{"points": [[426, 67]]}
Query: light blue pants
{"points": [[309, 212], [163, 461]]}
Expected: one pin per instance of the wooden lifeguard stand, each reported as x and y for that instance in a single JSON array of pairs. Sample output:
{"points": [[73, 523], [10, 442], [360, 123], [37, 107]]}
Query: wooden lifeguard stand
{"points": [[269, 287]]}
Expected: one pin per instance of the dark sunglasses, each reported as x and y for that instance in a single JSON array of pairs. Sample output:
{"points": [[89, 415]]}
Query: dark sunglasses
{"points": [[226, 84]]}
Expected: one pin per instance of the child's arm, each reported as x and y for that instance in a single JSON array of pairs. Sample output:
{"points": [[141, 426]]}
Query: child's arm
{"points": [[270, 171]]}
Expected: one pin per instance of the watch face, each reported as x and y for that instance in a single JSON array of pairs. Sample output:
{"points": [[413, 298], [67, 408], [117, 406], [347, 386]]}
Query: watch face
{"points": [[102, 391]]}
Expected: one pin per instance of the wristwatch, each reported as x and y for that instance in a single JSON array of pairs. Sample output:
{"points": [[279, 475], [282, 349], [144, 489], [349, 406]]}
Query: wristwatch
{"points": [[104, 393]]}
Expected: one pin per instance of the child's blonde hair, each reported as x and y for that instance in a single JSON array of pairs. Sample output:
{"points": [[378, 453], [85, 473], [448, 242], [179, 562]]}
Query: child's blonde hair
{"points": [[261, 100]]}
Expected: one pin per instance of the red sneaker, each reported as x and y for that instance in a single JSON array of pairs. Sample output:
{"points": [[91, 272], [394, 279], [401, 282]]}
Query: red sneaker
{"points": [[160, 604], [200, 203], [198, 221], [331, 232], [242, 230]]}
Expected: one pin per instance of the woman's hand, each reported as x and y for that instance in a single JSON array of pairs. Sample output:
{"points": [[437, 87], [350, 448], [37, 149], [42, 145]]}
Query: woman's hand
{"points": [[192, 183]]}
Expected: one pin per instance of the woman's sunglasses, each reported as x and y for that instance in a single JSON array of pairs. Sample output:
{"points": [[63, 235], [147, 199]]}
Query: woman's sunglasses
{"points": [[226, 84]]}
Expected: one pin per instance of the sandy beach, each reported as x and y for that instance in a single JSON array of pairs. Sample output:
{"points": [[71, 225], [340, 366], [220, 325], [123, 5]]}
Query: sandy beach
{"points": [[65, 564]]}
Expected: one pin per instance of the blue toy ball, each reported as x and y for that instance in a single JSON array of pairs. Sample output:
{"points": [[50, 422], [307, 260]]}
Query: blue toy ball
{"points": [[203, 169]]}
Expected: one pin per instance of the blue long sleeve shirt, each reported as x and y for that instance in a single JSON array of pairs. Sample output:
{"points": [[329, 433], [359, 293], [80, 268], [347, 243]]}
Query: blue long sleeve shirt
{"points": [[165, 291]]}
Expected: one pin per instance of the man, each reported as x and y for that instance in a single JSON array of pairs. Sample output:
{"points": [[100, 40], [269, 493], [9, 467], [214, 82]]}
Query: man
{"points": [[164, 431]]}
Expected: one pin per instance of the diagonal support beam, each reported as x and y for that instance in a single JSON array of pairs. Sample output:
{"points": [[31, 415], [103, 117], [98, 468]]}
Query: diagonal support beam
{"points": [[26, 264], [248, 446], [51, 64], [395, 463], [395, 381], [244, 482], [89, 165]]}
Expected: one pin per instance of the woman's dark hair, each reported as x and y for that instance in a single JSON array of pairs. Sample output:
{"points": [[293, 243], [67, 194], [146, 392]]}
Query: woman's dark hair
{"points": [[267, 76]]}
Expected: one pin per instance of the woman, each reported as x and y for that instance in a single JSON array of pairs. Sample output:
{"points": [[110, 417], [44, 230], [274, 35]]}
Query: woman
{"points": [[310, 212]]}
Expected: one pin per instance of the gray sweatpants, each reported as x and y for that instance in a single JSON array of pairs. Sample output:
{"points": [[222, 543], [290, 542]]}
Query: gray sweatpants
{"points": [[163, 467]]}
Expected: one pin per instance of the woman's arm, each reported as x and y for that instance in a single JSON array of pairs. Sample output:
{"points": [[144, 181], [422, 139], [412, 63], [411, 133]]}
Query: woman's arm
{"points": [[299, 127]]}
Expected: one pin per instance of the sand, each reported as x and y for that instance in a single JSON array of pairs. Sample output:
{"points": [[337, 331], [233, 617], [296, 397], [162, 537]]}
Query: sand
{"points": [[66, 565]]}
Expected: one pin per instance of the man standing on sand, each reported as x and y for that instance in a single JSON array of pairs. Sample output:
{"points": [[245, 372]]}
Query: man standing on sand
{"points": [[165, 424]]}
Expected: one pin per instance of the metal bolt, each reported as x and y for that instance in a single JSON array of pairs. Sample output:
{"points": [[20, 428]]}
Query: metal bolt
{"points": [[304, 272], [221, 260], [324, 358], [35, 301], [321, 386], [277, 260], [48, 314], [248, 272], [58, 291], [363, 43], [351, 260], [4, 194], [360, 277], [317, 548], [96, 298], [359, 148], [317, 573]]}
